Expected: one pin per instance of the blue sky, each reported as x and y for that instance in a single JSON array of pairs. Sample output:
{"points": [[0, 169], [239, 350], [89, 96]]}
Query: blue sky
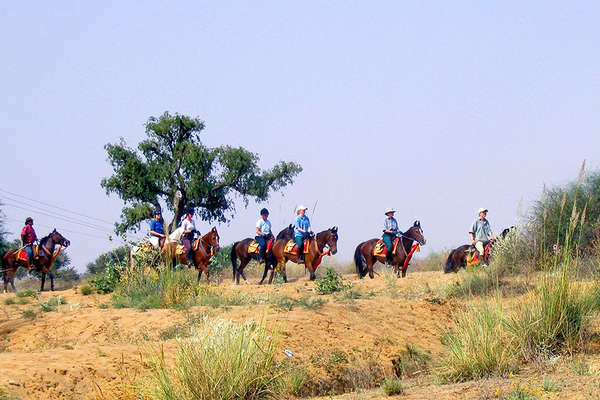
{"points": [[434, 108]]}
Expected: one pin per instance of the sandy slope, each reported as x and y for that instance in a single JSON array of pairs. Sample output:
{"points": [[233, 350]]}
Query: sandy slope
{"points": [[85, 351]]}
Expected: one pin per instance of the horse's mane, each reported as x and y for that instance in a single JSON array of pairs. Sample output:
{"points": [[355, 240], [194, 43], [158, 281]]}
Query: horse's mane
{"points": [[44, 239], [286, 233]]}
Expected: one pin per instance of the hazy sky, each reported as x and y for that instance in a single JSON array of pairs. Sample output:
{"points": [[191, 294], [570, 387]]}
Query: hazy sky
{"points": [[434, 108]]}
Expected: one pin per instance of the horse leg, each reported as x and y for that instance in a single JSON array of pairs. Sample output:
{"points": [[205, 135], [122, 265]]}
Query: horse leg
{"points": [[43, 281], [240, 271], [370, 263], [51, 275], [265, 273]]}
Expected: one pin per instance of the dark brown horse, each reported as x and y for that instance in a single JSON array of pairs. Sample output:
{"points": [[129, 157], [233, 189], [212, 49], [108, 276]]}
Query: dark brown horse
{"points": [[204, 247], [43, 265], [312, 259], [364, 259], [239, 251], [468, 255]]}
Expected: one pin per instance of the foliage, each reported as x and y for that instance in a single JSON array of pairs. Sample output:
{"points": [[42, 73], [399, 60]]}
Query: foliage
{"points": [[412, 361], [119, 255], [330, 282], [172, 168], [434, 261], [85, 289], [392, 386], [27, 293], [220, 361], [474, 281], [220, 261], [106, 281], [4, 244], [287, 303], [551, 220], [52, 303]]}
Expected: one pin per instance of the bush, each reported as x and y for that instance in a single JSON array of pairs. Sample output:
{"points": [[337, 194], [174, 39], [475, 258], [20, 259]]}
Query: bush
{"points": [[392, 386], [331, 282], [220, 361], [411, 361], [85, 289], [107, 280], [474, 281], [27, 293], [9, 300]]}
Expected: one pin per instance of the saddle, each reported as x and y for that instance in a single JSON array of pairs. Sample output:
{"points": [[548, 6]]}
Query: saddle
{"points": [[253, 246], [180, 249], [473, 256], [22, 253], [381, 250], [292, 248]]}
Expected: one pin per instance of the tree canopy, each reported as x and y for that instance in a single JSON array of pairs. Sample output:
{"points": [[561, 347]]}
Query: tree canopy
{"points": [[115, 256], [172, 168]]}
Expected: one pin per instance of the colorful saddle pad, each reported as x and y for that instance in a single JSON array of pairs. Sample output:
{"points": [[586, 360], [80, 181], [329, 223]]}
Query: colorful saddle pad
{"points": [[181, 249], [381, 250], [291, 248], [253, 247]]}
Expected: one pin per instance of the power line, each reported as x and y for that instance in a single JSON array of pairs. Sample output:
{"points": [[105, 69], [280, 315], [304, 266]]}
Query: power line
{"points": [[62, 229], [35, 208], [60, 218], [57, 207]]}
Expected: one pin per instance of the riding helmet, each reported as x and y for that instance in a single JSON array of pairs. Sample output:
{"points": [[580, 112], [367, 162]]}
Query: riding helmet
{"points": [[264, 211], [157, 212], [28, 220], [189, 210]]}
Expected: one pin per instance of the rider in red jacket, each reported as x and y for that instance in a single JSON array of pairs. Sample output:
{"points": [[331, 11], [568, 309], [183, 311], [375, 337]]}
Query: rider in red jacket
{"points": [[28, 237]]}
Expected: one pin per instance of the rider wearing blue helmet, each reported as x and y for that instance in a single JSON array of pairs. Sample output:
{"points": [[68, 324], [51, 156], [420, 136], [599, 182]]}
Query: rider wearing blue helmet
{"points": [[157, 230]]}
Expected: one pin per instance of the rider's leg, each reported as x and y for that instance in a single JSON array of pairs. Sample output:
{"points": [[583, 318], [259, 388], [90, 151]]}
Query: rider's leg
{"points": [[479, 247], [262, 247], [189, 253], [388, 239], [300, 243]]}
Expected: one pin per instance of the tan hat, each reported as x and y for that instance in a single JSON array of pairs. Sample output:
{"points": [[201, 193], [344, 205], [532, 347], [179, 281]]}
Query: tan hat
{"points": [[301, 207], [482, 210], [389, 210]]}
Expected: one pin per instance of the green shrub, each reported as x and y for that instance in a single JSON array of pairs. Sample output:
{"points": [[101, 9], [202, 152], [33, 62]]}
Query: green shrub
{"points": [[220, 361], [331, 282], [287, 303], [9, 300], [107, 280], [52, 303], [27, 293], [29, 314], [392, 386], [85, 289], [411, 361], [474, 281]]}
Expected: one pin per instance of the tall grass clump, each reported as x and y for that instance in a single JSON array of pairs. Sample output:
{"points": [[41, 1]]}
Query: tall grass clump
{"points": [[220, 361], [478, 345], [475, 281]]}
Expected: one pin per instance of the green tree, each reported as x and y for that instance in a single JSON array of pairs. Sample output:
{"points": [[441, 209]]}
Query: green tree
{"points": [[4, 245], [115, 256], [172, 168]]}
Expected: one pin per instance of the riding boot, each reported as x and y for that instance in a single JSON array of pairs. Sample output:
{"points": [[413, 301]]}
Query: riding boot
{"points": [[388, 257], [189, 256]]}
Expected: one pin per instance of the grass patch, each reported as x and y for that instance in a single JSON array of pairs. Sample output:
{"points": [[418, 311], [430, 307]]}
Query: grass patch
{"points": [[549, 386], [85, 289], [29, 314], [9, 300], [411, 362], [221, 361], [331, 282], [27, 293], [287, 303], [392, 386], [474, 281], [23, 300], [52, 303]]}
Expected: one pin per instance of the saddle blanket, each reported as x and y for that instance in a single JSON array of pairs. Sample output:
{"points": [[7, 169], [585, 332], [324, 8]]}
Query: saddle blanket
{"points": [[381, 250], [253, 246], [291, 248], [22, 254], [180, 249]]}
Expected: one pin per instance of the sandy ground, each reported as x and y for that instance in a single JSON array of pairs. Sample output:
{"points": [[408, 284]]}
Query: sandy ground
{"points": [[84, 350]]}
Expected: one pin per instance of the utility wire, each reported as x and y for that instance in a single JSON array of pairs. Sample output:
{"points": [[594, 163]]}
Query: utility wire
{"points": [[60, 229], [60, 218], [36, 208], [57, 207]]}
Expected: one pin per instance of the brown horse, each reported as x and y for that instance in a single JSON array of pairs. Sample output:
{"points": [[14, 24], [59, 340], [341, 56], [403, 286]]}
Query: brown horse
{"points": [[364, 252], [312, 259], [207, 245], [468, 255], [239, 251], [10, 261]]}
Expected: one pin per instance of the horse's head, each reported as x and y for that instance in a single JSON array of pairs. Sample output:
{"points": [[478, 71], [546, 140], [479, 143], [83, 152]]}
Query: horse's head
{"points": [[416, 233], [286, 233], [213, 238], [332, 239], [58, 238]]}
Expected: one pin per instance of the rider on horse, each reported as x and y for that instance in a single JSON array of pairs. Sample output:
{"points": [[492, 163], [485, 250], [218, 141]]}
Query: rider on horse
{"points": [[28, 237], [390, 231], [157, 230], [481, 232], [302, 230], [263, 234], [189, 228]]}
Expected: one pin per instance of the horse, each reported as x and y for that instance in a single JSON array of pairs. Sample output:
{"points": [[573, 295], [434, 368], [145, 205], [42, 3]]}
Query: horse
{"points": [[312, 259], [239, 251], [364, 257], [204, 248], [11, 260], [144, 246], [467, 255]]}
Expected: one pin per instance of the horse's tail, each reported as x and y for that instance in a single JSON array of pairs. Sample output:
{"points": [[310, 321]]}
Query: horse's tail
{"points": [[361, 268], [448, 267], [233, 258]]}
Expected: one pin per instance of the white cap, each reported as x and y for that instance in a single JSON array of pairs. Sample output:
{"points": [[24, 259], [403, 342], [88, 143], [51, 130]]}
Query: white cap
{"points": [[481, 210], [301, 207], [389, 210]]}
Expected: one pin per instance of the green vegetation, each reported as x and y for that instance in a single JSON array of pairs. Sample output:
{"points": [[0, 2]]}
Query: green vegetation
{"points": [[52, 303], [220, 361], [208, 179], [85, 289], [27, 293], [107, 280], [29, 314], [118, 256], [412, 361], [330, 282], [288, 303], [392, 386], [9, 300], [475, 281]]}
